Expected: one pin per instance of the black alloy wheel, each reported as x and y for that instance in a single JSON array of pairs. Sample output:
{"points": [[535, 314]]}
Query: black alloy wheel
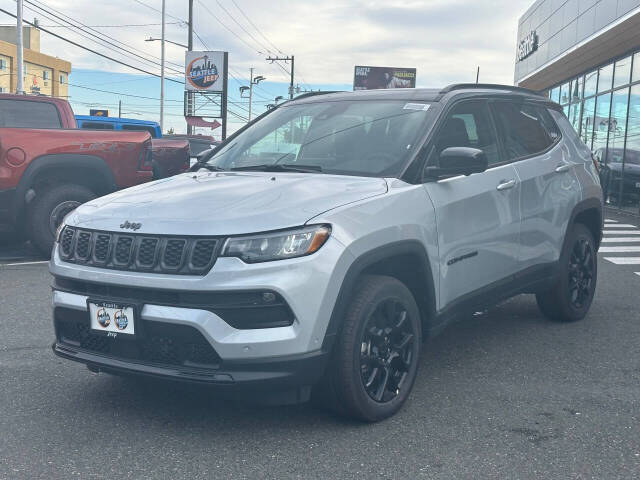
{"points": [[581, 273], [386, 354]]}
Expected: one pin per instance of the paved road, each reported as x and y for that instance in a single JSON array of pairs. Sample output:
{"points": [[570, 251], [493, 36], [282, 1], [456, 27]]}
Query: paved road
{"points": [[502, 395]]}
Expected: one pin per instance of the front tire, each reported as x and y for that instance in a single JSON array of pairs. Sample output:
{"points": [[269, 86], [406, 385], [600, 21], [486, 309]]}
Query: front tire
{"points": [[570, 298], [49, 209], [375, 359]]}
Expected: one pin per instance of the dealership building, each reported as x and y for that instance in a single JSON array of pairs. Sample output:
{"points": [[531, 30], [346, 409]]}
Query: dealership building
{"points": [[42, 74], [585, 55]]}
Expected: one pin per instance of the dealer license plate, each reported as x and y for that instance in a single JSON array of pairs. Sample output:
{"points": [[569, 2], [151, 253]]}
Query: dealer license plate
{"points": [[112, 318]]}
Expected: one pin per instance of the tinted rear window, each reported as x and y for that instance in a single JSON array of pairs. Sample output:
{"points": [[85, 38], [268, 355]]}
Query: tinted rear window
{"points": [[97, 126], [26, 114], [524, 129]]}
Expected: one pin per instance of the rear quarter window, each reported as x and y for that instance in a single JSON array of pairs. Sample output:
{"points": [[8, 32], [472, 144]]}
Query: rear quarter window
{"points": [[97, 126], [28, 114]]}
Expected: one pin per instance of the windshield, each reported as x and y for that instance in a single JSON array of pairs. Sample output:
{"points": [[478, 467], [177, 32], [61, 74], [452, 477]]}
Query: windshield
{"points": [[364, 138]]}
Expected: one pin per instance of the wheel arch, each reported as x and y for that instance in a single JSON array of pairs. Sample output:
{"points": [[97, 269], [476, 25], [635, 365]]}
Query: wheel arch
{"points": [[86, 170], [406, 261], [589, 213]]}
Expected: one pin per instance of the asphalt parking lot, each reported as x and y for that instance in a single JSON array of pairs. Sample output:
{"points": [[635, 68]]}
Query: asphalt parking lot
{"points": [[502, 394]]}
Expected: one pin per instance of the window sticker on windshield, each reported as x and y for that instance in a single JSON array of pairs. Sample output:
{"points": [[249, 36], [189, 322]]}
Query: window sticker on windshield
{"points": [[416, 106]]}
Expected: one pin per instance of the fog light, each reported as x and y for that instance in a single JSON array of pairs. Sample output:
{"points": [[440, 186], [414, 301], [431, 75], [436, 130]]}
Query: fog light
{"points": [[268, 297]]}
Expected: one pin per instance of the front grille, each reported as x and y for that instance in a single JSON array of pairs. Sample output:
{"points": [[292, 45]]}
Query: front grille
{"points": [[138, 252], [157, 343]]}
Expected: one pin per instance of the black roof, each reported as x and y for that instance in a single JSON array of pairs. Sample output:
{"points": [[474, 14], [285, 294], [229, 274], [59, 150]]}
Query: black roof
{"points": [[416, 94]]}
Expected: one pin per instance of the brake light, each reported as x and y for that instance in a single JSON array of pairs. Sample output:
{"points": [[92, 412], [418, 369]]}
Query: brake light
{"points": [[594, 159], [146, 157]]}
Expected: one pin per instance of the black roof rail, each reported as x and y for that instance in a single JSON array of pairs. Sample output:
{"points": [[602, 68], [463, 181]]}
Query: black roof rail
{"points": [[488, 86], [313, 94]]}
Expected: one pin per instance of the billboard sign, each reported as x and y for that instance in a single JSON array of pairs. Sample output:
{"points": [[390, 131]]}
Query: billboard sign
{"points": [[371, 78], [98, 113], [204, 71]]}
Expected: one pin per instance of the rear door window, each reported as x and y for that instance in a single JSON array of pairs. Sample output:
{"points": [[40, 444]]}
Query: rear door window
{"points": [[28, 114], [97, 126], [524, 128]]}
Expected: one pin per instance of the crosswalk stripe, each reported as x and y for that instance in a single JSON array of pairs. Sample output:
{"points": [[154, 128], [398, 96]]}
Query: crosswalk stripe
{"points": [[621, 232], [620, 239], [621, 225], [624, 260], [620, 249], [608, 220]]}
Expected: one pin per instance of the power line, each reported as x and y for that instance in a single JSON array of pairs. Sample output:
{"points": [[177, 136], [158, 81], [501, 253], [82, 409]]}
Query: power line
{"points": [[107, 39], [227, 28], [254, 26], [120, 62]]}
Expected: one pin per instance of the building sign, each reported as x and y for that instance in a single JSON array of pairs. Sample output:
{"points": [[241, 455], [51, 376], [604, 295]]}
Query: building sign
{"points": [[204, 71], [98, 113], [371, 78], [527, 46]]}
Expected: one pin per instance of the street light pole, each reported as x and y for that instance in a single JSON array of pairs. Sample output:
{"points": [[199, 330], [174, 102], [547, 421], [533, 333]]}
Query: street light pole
{"points": [[19, 44], [190, 48], [162, 69]]}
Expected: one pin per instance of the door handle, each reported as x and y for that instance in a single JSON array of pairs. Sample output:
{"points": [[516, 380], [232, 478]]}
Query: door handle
{"points": [[563, 168], [506, 184]]}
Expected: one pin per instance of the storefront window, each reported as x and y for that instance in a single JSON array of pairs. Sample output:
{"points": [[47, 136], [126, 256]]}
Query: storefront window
{"points": [[622, 72], [636, 68], [587, 120], [576, 89], [633, 127], [605, 78], [565, 93], [590, 84], [555, 94], [618, 120], [574, 116], [601, 122]]}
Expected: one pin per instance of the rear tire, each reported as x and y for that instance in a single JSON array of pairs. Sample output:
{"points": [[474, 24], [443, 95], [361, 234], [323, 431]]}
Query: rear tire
{"points": [[48, 211], [571, 296], [375, 359]]}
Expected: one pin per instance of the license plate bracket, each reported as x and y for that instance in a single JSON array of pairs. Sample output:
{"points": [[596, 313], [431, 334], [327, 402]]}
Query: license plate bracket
{"points": [[112, 318]]}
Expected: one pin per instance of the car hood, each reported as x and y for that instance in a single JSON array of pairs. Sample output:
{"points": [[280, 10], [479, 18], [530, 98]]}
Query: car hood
{"points": [[224, 203]]}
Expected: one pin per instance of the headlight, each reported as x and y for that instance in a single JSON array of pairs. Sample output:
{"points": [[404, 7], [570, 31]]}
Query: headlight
{"points": [[277, 245], [59, 230]]}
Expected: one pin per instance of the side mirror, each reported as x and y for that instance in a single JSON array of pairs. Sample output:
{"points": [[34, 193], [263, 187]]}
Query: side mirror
{"points": [[459, 161]]}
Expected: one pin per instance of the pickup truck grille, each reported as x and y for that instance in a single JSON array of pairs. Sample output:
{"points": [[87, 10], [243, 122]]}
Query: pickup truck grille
{"points": [[138, 252]]}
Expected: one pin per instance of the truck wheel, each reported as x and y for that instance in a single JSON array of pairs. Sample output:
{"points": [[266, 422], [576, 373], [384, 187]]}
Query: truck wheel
{"points": [[49, 209], [570, 298], [375, 359]]}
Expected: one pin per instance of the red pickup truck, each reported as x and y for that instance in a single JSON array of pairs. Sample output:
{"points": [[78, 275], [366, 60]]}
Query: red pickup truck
{"points": [[48, 167]]}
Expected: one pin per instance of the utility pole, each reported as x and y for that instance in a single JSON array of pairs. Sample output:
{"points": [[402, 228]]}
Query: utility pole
{"points": [[250, 91], [190, 48], [119, 108], [162, 69], [20, 46], [285, 59], [477, 74]]}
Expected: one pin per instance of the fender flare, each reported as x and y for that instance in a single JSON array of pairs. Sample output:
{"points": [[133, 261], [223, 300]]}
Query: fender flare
{"points": [[582, 206], [369, 258], [49, 164]]}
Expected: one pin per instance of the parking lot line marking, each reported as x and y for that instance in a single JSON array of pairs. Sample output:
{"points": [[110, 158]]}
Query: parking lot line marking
{"points": [[637, 273], [624, 260], [620, 239], [608, 220], [23, 263], [621, 225], [621, 232], [620, 249]]}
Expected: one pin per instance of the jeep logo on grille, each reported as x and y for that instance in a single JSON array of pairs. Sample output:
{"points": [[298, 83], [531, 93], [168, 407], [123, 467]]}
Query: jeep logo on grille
{"points": [[130, 226]]}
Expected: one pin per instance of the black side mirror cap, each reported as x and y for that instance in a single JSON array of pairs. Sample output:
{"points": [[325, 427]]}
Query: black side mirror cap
{"points": [[459, 161]]}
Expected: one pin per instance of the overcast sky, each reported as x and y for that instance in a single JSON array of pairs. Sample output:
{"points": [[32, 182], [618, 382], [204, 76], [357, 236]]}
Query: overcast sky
{"points": [[444, 39]]}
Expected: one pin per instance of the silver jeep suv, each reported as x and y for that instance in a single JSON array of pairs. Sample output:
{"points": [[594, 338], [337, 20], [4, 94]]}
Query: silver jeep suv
{"points": [[315, 249]]}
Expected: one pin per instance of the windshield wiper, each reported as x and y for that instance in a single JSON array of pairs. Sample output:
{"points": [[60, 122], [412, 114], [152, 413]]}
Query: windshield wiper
{"points": [[281, 167], [213, 168]]}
